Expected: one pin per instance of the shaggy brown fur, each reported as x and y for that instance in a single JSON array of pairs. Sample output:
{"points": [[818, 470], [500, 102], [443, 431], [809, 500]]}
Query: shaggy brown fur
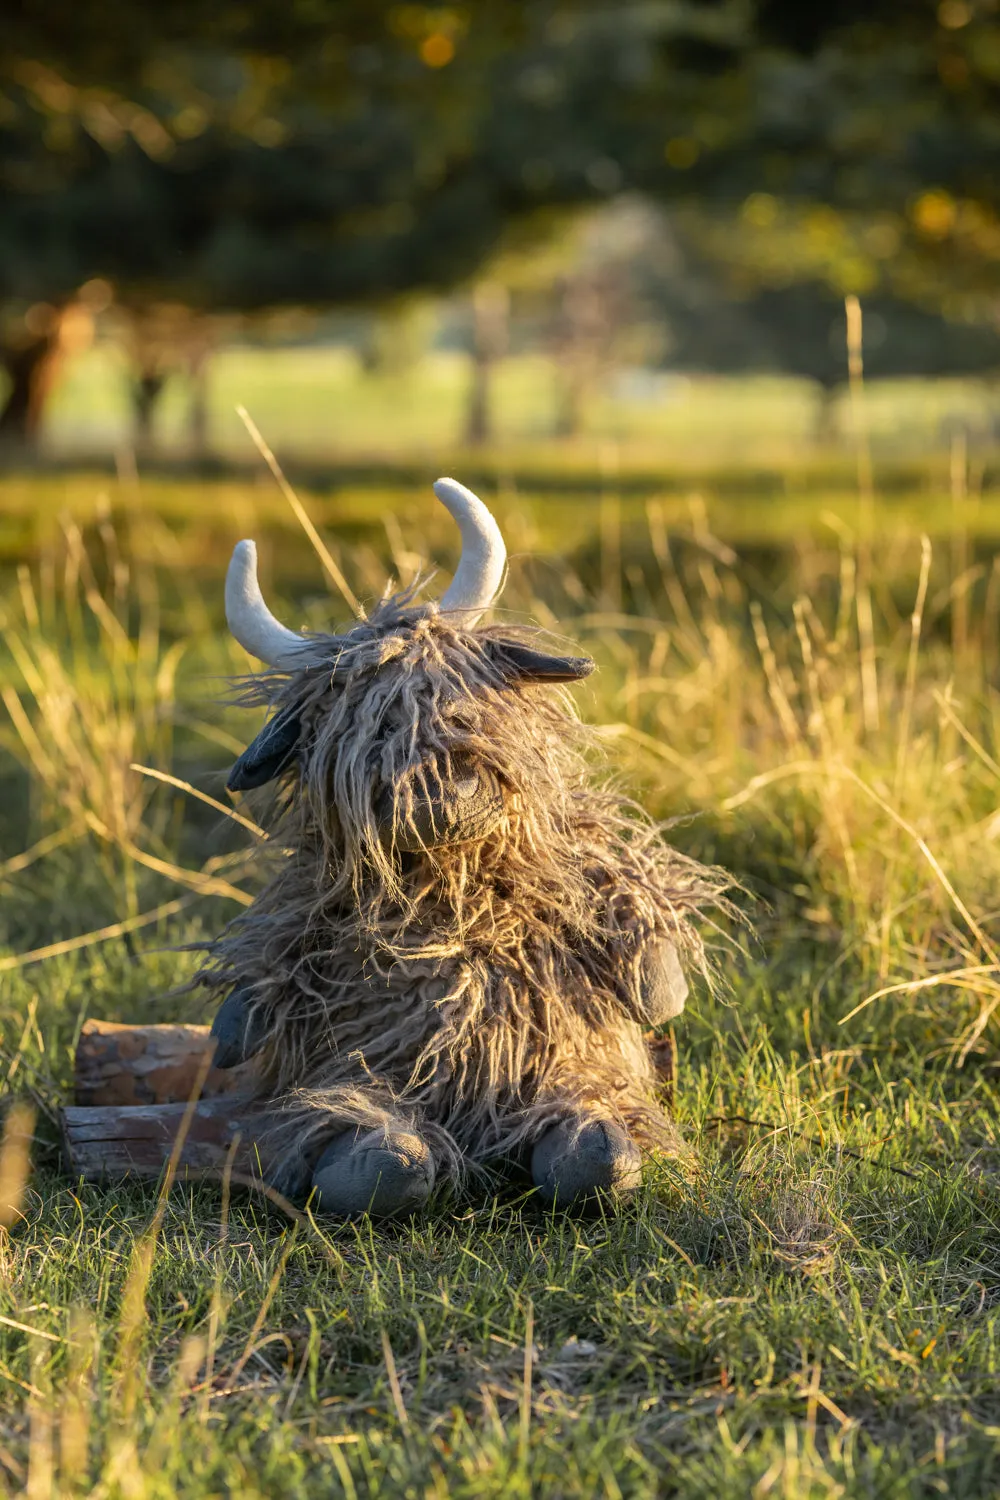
{"points": [[478, 992]]}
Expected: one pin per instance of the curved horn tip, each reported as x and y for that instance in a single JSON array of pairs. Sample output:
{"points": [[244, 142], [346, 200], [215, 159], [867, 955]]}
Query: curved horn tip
{"points": [[480, 570], [248, 617], [241, 576], [452, 489]]}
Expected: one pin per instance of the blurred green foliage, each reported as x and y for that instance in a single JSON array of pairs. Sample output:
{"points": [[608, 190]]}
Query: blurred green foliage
{"points": [[250, 156], [246, 155]]}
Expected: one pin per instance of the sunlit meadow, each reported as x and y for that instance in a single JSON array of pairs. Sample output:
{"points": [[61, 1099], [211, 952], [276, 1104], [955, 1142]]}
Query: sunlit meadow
{"points": [[806, 684]]}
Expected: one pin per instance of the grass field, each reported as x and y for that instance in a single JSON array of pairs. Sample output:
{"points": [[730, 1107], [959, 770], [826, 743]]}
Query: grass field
{"points": [[811, 1308], [315, 404]]}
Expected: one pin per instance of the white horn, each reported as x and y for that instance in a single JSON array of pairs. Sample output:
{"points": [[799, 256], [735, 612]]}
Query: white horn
{"points": [[249, 618], [480, 570]]}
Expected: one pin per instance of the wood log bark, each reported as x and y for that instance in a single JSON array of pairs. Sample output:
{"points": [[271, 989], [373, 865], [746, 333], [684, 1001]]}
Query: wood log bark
{"points": [[133, 1086], [120, 1065]]}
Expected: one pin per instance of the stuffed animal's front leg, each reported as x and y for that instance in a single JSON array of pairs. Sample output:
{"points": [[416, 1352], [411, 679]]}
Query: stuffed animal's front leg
{"points": [[386, 1171], [663, 988], [579, 1160], [238, 1030]]}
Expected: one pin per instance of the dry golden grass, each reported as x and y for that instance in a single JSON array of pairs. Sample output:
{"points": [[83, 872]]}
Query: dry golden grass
{"points": [[811, 1311]]}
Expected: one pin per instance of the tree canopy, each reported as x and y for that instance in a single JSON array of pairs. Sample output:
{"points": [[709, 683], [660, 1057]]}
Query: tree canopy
{"points": [[244, 156], [250, 154]]}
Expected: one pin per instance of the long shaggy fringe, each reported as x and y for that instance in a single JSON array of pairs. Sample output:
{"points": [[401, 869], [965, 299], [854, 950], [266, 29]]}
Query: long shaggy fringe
{"points": [[478, 992]]}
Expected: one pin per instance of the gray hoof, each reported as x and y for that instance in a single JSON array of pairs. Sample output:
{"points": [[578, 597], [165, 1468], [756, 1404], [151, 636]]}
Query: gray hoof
{"points": [[236, 1035], [386, 1174], [662, 984], [571, 1164]]}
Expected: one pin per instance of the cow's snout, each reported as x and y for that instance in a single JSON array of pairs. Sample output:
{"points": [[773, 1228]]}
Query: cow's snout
{"points": [[439, 807]]}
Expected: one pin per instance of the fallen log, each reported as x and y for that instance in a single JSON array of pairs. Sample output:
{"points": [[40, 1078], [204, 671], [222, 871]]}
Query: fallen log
{"points": [[106, 1142], [119, 1065], [133, 1088]]}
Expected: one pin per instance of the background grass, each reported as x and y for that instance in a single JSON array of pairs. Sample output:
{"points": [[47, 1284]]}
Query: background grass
{"points": [[317, 402], [810, 1307]]}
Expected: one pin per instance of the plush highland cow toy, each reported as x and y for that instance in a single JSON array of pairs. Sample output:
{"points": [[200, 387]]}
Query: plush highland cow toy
{"points": [[464, 939]]}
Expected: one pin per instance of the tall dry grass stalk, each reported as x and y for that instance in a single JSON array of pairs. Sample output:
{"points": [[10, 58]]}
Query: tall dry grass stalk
{"points": [[15, 1168], [866, 497]]}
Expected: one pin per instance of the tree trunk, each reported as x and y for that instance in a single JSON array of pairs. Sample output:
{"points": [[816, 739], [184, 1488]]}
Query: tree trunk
{"points": [[490, 316], [198, 409], [826, 431], [583, 333], [147, 388], [32, 371], [569, 417], [34, 364]]}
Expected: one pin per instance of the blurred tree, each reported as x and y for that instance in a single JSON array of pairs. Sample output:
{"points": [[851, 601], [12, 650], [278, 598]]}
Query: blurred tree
{"points": [[232, 180], [34, 343], [696, 291], [777, 276], [490, 319], [161, 342], [249, 155], [589, 316]]}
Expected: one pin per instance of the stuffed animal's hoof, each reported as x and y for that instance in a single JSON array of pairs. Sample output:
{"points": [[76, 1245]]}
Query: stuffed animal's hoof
{"points": [[572, 1164], [237, 1031], [663, 988], [386, 1174]]}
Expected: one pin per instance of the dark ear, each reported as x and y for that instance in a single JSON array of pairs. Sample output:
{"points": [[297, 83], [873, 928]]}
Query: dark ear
{"points": [[269, 754], [521, 664]]}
